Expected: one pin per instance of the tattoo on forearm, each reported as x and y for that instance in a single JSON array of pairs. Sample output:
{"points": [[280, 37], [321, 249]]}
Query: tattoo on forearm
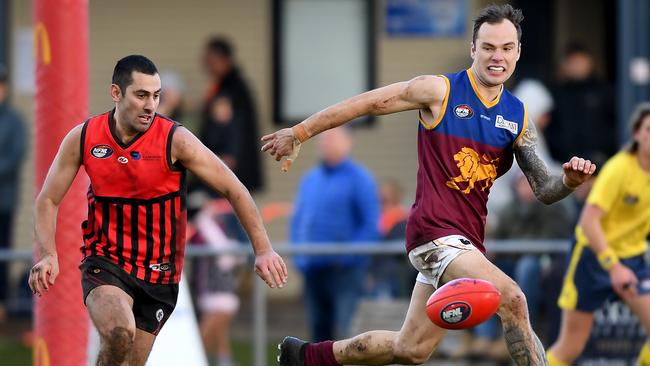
{"points": [[524, 350], [547, 188]]}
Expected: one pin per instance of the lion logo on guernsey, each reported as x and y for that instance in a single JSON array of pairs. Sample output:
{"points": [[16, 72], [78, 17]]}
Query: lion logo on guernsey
{"points": [[101, 151], [473, 168]]}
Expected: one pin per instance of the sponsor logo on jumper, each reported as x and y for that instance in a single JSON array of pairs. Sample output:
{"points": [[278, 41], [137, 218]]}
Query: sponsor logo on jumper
{"points": [[101, 151], [160, 267], [135, 155], [505, 124], [473, 168], [123, 159], [455, 312], [463, 111], [151, 157], [485, 117]]}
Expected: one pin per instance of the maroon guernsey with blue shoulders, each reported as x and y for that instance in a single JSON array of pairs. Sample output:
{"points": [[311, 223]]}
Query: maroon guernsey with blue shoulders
{"points": [[460, 154]]}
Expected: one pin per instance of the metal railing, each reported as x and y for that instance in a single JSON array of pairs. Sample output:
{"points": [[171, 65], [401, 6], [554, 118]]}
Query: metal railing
{"points": [[287, 250]]}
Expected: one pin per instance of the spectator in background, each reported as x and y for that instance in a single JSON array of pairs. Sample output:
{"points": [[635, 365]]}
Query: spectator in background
{"points": [[392, 222], [13, 142], [215, 279], [171, 99], [337, 201], [212, 223], [228, 127], [583, 122], [229, 123], [391, 276]]}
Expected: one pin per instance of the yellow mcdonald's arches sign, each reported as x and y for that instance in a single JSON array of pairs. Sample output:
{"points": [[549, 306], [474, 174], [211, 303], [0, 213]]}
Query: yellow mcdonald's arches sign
{"points": [[40, 352], [42, 39]]}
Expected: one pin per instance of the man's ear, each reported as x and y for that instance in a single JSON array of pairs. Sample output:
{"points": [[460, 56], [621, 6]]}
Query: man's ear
{"points": [[472, 50], [116, 93]]}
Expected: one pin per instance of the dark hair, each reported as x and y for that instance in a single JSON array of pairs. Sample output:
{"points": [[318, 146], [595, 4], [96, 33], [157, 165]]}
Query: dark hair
{"points": [[640, 113], [574, 48], [125, 67], [220, 46], [494, 14]]}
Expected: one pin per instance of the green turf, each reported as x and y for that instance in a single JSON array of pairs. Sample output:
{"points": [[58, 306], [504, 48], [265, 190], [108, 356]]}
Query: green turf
{"points": [[243, 353], [13, 353]]}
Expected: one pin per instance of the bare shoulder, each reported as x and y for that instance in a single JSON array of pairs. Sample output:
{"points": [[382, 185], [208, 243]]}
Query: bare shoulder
{"points": [[182, 139], [75, 132], [70, 146], [181, 136], [184, 144], [426, 89]]}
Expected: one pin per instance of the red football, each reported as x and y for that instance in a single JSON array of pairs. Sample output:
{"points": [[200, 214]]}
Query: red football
{"points": [[463, 303]]}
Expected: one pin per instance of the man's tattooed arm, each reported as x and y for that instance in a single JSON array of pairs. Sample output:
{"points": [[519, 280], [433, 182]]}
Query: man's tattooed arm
{"points": [[524, 347], [547, 188]]}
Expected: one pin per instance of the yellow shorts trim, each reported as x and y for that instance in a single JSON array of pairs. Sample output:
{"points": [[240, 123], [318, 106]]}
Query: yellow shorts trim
{"points": [[569, 295]]}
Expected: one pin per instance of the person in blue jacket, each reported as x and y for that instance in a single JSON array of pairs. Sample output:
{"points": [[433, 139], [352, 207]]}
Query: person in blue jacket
{"points": [[337, 201]]}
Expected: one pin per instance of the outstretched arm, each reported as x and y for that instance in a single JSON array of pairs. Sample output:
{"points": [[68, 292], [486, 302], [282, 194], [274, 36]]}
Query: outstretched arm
{"points": [[549, 188], [420, 92], [59, 178], [198, 159]]}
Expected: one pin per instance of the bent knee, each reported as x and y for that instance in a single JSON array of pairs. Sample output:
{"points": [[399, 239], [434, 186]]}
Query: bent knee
{"points": [[513, 302], [411, 358], [119, 339], [413, 354]]}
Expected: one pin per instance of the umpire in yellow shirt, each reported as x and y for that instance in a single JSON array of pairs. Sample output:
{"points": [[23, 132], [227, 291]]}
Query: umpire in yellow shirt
{"points": [[607, 257]]}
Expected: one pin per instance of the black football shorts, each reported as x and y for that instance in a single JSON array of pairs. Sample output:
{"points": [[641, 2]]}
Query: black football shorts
{"points": [[152, 303]]}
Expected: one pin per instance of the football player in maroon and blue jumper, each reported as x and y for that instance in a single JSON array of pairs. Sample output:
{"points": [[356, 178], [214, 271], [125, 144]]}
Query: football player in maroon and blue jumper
{"points": [[134, 238], [469, 129]]}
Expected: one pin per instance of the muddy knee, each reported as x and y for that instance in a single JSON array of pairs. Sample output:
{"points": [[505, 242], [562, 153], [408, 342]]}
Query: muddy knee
{"points": [[117, 342], [513, 303]]}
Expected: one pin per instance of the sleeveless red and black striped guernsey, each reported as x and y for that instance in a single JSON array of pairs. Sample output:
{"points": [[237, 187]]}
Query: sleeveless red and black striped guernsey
{"points": [[136, 199]]}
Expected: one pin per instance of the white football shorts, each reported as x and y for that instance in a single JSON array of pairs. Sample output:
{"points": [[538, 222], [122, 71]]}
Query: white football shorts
{"points": [[432, 258]]}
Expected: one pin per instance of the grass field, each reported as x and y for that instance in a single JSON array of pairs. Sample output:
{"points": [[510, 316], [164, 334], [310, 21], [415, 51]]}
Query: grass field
{"points": [[13, 353]]}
